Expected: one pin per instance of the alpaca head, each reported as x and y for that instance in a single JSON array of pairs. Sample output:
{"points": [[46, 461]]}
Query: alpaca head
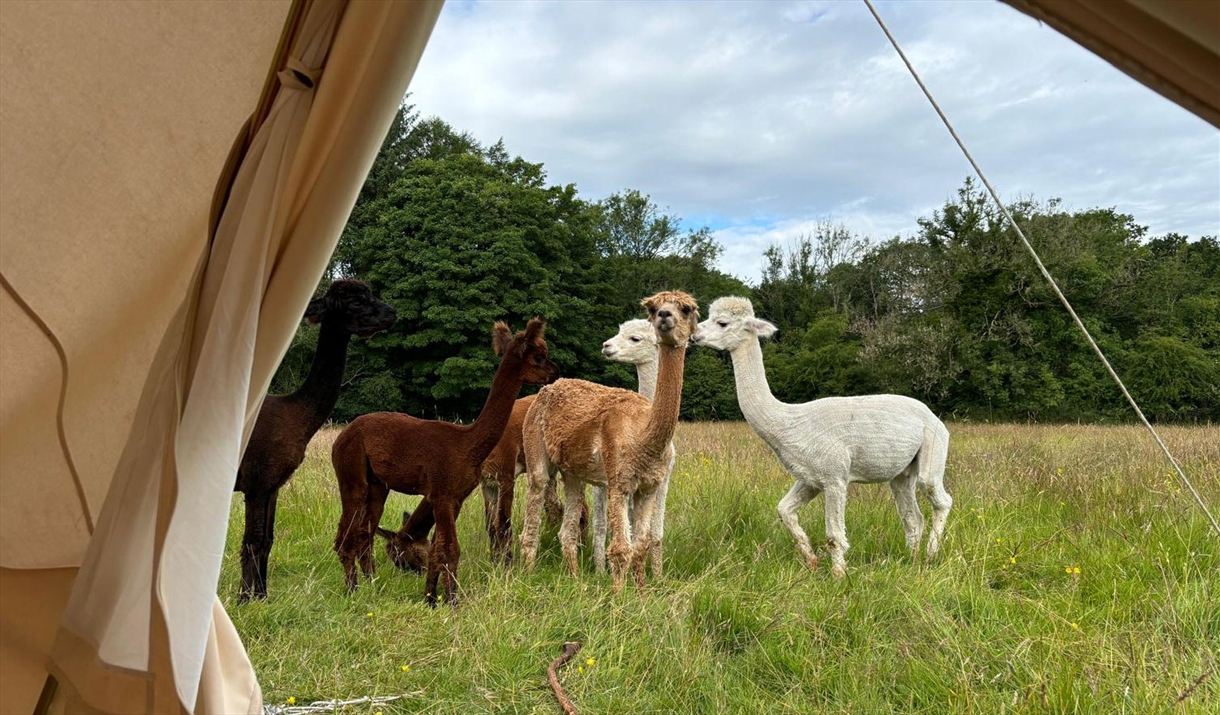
{"points": [[406, 553], [528, 350], [351, 304], [674, 315], [635, 343], [730, 323]]}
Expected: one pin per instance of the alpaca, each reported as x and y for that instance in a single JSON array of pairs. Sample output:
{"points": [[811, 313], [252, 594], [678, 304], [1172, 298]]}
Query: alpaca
{"points": [[607, 436], [387, 451], [635, 343], [829, 443], [286, 423]]}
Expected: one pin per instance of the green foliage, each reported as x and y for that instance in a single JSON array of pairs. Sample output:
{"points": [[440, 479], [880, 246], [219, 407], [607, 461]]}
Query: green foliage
{"points": [[961, 318], [708, 390], [456, 235]]}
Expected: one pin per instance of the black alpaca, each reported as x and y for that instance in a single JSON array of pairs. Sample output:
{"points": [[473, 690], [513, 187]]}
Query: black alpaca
{"points": [[286, 423]]}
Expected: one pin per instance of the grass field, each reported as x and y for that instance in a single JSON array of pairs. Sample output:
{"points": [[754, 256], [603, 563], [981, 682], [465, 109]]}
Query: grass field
{"points": [[1001, 621]]}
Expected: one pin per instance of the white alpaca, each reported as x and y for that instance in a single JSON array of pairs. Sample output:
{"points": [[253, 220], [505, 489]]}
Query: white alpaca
{"points": [[829, 443], [635, 343]]}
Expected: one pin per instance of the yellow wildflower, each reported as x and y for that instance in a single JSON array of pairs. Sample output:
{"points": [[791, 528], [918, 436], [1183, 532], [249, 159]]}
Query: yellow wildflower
{"points": [[405, 668], [1067, 569], [291, 700], [369, 614], [1059, 471], [580, 669], [1075, 625], [589, 662], [998, 539], [1076, 570], [1012, 559]]}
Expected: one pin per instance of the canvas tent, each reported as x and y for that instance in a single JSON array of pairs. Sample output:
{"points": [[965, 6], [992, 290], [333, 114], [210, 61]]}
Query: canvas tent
{"points": [[173, 178], [157, 251]]}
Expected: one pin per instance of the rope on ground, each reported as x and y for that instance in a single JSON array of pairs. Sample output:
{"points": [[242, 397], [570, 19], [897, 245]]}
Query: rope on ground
{"points": [[570, 649], [333, 706], [1045, 273]]}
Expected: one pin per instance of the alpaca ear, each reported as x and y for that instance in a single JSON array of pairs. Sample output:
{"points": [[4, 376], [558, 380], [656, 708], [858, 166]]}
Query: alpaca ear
{"points": [[385, 534], [316, 310], [406, 516], [501, 336], [761, 328], [535, 330]]}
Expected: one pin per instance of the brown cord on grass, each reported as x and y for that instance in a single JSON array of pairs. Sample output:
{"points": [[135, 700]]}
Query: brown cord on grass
{"points": [[570, 649]]}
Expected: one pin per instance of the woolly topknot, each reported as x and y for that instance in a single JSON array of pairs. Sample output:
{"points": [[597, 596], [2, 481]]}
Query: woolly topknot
{"points": [[733, 305]]}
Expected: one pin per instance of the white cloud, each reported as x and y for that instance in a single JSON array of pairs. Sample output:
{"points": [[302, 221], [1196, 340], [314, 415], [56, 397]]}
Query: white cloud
{"points": [[765, 117]]}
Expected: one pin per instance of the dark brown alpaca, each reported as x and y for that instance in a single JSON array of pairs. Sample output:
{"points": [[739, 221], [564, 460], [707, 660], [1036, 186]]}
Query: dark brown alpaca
{"points": [[500, 472], [387, 451], [286, 423]]}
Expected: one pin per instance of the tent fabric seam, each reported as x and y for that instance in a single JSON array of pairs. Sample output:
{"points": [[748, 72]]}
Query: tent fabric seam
{"points": [[63, 395]]}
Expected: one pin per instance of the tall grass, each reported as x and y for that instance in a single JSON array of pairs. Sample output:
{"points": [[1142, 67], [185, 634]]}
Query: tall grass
{"points": [[1001, 621]]}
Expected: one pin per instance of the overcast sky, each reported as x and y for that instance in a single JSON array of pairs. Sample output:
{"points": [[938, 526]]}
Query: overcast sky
{"points": [[759, 119]]}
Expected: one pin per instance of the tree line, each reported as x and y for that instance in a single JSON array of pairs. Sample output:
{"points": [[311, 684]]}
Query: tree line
{"points": [[456, 235]]}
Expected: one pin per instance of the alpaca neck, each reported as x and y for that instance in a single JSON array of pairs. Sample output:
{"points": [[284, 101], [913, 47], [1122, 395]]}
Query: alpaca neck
{"points": [[666, 401], [320, 391], [764, 413], [489, 427], [646, 374]]}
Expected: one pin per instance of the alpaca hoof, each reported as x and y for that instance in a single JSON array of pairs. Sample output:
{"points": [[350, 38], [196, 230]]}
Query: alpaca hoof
{"points": [[838, 570], [430, 600], [813, 563]]}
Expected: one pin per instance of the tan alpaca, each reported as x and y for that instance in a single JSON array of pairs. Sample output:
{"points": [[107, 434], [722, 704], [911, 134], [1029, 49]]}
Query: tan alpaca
{"points": [[610, 437]]}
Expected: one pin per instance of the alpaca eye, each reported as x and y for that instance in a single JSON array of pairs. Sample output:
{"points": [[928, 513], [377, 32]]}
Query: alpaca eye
{"points": [[635, 340], [686, 310], [722, 324]]}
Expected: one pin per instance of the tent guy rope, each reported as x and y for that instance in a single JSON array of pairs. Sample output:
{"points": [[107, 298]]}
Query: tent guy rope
{"points": [[1045, 273]]}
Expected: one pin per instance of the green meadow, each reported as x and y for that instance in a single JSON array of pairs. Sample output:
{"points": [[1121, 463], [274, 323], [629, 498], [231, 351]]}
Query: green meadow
{"points": [[1076, 576]]}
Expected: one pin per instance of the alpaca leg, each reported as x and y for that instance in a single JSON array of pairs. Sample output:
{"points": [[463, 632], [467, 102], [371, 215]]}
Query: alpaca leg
{"points": [[253, 578], [375, 505], [903, 488], [347, 542], [552, 504], [264, 554], [502, 542], [540, 473], [941, 504], [932, 480], [443, 555], [600, 504], [644, 507], [620, 538], [656, 552], [836, 528], [798, 496], [569, 531], [491, 495]]}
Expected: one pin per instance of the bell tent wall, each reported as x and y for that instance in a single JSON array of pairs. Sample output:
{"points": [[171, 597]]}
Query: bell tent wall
{"points": [[140, 324]]}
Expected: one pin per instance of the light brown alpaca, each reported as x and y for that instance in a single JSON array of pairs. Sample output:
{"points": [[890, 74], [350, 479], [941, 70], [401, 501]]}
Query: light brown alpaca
{"points": [[609, 437]]}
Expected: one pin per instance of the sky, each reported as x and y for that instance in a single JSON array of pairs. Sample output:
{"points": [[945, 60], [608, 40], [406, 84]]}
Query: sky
{"points": [[761, 119]]}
